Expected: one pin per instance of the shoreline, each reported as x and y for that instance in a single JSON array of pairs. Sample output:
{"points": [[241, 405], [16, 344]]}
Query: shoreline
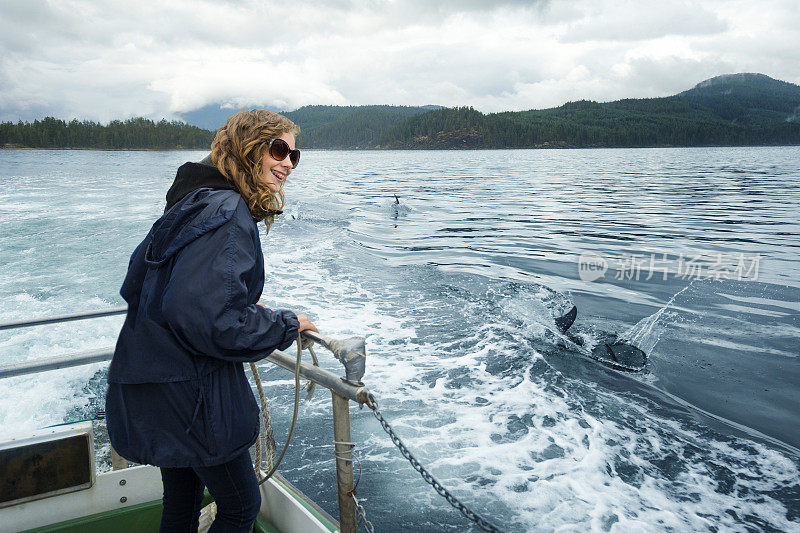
{"points": [[419, 149], [106, 149]]}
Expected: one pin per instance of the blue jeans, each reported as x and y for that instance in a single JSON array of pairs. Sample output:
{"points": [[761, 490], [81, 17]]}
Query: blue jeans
{"points": [[233, 486]]}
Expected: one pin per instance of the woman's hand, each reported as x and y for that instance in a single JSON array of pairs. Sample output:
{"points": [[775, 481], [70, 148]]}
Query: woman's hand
{"points": [[305, 324]]}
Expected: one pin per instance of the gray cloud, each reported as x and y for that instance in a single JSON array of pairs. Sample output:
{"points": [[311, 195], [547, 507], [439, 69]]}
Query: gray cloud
{"points": [[115, 59], [624, 22]]}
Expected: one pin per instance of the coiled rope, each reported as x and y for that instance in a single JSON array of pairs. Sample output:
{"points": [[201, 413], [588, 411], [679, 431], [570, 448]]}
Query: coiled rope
{"points": [[209, 512], [268, 436]]}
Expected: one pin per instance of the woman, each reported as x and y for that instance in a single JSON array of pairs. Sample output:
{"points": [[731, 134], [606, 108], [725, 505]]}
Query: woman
{"points": [[177, 394]]}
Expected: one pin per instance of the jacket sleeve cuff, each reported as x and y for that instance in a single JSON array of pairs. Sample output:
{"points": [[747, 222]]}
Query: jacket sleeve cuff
{"points": [[292, 325]]}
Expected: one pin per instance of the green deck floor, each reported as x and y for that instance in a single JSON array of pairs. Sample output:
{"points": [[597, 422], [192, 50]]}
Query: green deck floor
{"points": [[141, 518]]}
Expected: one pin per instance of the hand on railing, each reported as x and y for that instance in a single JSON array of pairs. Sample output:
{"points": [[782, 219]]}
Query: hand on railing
{"points": [[305, 324]]}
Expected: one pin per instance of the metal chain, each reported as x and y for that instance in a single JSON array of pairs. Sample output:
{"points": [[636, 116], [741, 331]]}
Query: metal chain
{"points": [[452, 500], [362, 514]]}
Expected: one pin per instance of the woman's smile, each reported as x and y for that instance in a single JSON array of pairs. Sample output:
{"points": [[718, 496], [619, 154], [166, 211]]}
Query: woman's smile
{"points": [[278, 176]]}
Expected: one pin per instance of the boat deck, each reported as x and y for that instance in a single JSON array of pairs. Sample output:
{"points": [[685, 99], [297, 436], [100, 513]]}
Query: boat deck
{"points": [[135, 519]]}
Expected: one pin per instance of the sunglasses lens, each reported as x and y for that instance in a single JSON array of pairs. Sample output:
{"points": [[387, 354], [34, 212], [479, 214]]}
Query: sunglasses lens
{"points": [[279, 150]]}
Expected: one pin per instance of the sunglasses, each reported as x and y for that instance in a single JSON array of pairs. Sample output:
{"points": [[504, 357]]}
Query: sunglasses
{"points": [[279, 149]]}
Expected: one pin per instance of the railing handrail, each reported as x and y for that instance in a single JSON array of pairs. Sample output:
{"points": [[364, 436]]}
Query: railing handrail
{"points": [[314, 373], [62, 318]]}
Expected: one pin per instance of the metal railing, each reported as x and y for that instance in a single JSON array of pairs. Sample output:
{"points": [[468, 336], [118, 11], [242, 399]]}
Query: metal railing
{"points": [[342, 392]]}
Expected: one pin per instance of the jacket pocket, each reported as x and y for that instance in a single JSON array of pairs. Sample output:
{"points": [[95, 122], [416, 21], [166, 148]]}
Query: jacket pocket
{"points": [[208, 420], [202, 417], [231, 409]]}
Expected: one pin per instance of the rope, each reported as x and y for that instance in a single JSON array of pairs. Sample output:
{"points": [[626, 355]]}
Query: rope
{"points": [[265, 431], [265, 412], [209, 512], [361, 512], [310, 385]]}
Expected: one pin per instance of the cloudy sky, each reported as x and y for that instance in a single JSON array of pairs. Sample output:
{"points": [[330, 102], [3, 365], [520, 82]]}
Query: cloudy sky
{"points": [[109, 59]]}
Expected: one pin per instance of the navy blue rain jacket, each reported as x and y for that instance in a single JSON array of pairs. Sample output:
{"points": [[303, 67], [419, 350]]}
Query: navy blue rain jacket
{"points": [[177, 393]]}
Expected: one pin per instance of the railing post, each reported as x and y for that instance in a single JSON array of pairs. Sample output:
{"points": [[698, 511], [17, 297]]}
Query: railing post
{"points": [[344, 463]]}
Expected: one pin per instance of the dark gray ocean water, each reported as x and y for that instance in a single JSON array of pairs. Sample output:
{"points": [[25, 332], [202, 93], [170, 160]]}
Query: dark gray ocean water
{"points": [[691, 253]]}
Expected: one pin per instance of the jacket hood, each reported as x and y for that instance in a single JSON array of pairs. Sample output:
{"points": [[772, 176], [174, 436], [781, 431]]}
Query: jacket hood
{"points": [[192, 176], [198, 202]]}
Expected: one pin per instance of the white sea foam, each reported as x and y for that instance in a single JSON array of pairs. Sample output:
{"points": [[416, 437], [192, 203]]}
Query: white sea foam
{"points": [[460, 359]]}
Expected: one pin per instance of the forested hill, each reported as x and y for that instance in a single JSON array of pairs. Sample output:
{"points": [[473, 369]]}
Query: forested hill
{"points": [[132, 134], [737, 109], [734, 109], [324, 126], [349, 126]]}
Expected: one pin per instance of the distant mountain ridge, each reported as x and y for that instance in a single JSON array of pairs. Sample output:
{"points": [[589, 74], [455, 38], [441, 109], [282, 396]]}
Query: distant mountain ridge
{"points": [[738, 109], [728, 110], [323, 125], [747, 98], [350, 127], [732, 109]]}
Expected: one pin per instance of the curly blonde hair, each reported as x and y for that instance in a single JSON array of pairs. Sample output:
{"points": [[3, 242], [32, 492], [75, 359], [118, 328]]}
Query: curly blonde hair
{"points": [[238, 151]]}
